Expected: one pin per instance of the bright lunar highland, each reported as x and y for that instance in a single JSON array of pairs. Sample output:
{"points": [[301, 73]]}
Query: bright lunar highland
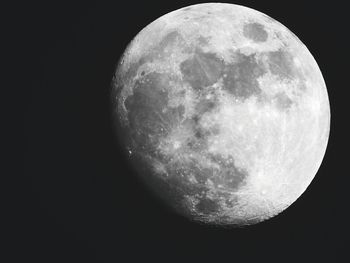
{"points": [[223, 111]]}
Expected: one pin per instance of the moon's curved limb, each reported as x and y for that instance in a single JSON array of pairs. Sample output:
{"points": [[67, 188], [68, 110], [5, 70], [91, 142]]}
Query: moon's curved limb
{"points": [[239, 110]]}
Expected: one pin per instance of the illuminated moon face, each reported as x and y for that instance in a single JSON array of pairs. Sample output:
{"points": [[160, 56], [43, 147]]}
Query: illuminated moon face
{"points": [[225, 112]]}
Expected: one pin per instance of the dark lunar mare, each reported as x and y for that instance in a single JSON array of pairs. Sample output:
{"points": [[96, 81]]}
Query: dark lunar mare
{"points": [[241, 76], [149, 116], [202, 69], [150, 119], [281, 64], [255, 31], [282, 101]]}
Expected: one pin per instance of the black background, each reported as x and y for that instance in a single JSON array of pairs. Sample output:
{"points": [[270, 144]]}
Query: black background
{"points": [[78, 201]]}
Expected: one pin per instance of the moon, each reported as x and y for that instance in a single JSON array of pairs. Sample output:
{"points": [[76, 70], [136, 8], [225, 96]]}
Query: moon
{"points": [[223, 112]]}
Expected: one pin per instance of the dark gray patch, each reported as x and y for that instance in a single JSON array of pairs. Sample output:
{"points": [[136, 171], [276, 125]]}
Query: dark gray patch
{"points": [[148, 113], [229, 200], [229, 203], [205, 105], [232, 177], [199, 140], [255, 31], [229, 176], [281, 64], [241, 77], [201, 175], [283, 101], [201, 70], [196, 142], [203, 41], [198, 187], [207, 206], [168, 40], [132, 69], [199, 134], [179, 175], [180, 183]]}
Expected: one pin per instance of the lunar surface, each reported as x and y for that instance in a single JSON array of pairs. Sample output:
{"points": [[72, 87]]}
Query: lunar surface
{"points": [[223, 112]]}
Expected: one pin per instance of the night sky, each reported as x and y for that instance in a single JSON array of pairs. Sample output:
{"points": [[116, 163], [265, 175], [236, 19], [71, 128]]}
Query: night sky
{"points": [[77, 200]]}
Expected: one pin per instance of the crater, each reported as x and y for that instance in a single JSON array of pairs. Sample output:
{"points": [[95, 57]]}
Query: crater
{"points": [[255, 32]]}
